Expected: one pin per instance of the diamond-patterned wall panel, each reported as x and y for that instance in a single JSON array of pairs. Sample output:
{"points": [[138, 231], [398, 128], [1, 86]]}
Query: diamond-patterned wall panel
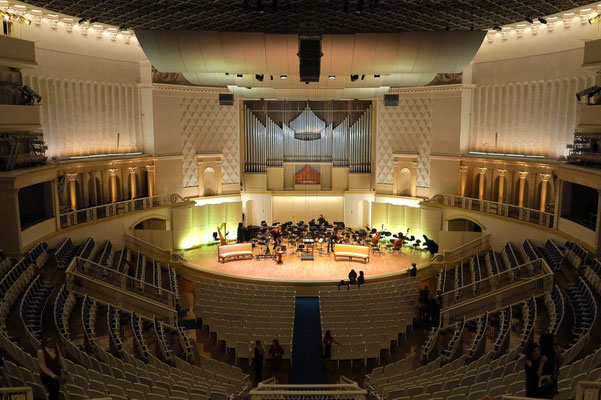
{"points": [[208, 127], [402, 129]]}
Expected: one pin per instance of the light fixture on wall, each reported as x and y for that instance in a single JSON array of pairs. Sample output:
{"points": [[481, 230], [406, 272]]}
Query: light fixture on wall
{"points": [[259, 77], [12, 17], [594, 19], [542, 20], [354, 77]]}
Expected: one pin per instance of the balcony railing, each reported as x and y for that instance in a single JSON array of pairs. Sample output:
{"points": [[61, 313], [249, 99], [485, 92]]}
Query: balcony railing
{"points": [[148, 249], [498, 291], [345, 390], [16, 393], [492, 207], [110, 286], [119, 208]]}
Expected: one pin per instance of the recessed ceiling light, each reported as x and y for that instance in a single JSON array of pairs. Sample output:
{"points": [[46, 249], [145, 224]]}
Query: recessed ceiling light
{"points": [[521, 25], [376, 76], [332, 77], [239, 76], [491, 31], [21, 6], [568, 14], [586, 10], [97, 26], [506, 28], [53, 15], [36, 11], [552, 18], [3, 1], [68, 19], [283, 77]]}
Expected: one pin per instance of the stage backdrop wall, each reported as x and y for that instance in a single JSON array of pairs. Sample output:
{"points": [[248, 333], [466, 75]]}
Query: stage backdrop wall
{"points": [[194, 225], [305, 208], [396, 218]]}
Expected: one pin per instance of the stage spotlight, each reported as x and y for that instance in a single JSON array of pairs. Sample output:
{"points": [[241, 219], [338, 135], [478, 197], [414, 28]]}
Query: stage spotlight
{"points": [[497, 28], [542, 20], [271, 77], [354, 77], [93, 20], [376, 76], [238, 75], [81, 21], [259, 77], [362, 77], [529, 20], [594, 19], [332, 77], [283, 77], [227, 74]]}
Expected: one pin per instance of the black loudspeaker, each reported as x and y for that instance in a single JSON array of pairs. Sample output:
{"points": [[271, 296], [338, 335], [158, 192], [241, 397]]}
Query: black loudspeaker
{"points": [[309, 56], [391, 100], [226, 99]]}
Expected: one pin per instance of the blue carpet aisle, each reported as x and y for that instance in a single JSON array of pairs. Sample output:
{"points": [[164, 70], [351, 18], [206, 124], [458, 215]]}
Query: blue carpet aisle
{"points": [[307, 367]]}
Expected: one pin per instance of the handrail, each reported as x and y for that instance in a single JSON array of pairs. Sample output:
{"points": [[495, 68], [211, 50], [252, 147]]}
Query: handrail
{"points": [[467, 249], [495, 208], [147, 248], [588, 390], [270, 390], [83, 215], [20, 392], [498, 291]]}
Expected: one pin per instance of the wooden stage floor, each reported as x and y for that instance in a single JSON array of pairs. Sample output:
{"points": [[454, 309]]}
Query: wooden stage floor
{"points": [[322, 268]]}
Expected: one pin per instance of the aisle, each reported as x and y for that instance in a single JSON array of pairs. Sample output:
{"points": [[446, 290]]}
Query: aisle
{"points": [[307, 367]]}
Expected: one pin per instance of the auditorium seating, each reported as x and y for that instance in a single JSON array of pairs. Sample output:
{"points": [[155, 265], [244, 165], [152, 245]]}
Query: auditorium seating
{"points": [[576, 254], [553, 254], [237, 250], [529, 314], [39, 254], [380, 313], [449, 352], [584, 307], [241, 313], [33, 304], [555, 308]]}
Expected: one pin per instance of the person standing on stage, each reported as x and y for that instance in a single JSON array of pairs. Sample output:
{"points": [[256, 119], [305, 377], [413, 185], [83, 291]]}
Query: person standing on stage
{"points": [[332, 241], [275, 233], [321, 220]]}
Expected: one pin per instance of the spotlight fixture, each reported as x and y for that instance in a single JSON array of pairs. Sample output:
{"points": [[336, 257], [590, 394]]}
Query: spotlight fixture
{"points": [[270, 77], [227, 74], [238, 75], [81, 21], [497, 28], [362, 77], [259, 77], [529, 20], [354, 77], [542, 20], [11, 17], [332, 77], [594, 19], [283, 77], [376, 76], [93, 20]]}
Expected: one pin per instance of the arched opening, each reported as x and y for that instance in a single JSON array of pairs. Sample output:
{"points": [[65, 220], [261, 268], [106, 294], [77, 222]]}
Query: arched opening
{"points": [[152, 223], [464, 225], [404, 182], [210, 182]]}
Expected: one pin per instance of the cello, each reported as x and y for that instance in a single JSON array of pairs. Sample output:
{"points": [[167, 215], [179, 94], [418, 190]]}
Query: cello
{"points": [[400, 241], [376, 238]]}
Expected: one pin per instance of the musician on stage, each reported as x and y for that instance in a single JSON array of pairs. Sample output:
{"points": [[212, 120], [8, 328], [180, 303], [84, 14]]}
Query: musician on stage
{"points": [[275, 233], [331, 241], [321, 220]]}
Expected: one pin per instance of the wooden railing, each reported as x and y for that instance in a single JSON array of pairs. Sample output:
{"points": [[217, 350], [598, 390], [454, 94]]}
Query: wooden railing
{"points": [[110, 286], [119, 208], [345, 390], [466, 249], [16, 393], [492, 207], [496, 292], [587, 390], [148, 249]]}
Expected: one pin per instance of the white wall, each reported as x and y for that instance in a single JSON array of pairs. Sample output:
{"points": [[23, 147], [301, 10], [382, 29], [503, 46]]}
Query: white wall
{"points": [[305, 208]]}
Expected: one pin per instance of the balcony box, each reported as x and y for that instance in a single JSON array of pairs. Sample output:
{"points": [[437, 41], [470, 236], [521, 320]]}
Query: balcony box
{"points": [[19, 118], [17, 53]]}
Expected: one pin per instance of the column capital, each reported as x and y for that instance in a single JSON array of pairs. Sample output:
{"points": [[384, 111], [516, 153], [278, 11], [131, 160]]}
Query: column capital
{"points": [[132, 170], [482, 170], [463, 168], [502, 172], [113, 171], [71, 176], [545, 177], [523, 174], [150, 168]]}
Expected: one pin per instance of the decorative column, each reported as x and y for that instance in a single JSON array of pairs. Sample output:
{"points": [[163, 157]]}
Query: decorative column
{"points": [[543, 190], [462, 179], [72, 191], [132, 181], [481, 183], [113, 184], [501, 195], [150, 179], [523, 175]]}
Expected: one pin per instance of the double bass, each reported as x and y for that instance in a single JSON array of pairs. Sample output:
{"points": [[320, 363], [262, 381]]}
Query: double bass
{"points": [[401, 240], [376, 238]]}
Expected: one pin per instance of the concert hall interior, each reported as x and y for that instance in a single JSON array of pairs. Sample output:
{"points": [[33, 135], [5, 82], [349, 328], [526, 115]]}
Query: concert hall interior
{"points": [[406, 195]]}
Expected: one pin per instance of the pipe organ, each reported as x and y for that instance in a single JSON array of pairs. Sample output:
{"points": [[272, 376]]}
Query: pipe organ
{"points": [[342, 137]]}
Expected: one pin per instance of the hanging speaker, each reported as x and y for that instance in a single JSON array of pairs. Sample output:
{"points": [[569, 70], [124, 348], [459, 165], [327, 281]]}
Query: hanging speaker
{"points": [[309, 56], [226, 99], [391, 100]]}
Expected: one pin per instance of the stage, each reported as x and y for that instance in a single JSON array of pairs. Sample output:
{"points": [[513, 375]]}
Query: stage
{"points": [[323, 267]]}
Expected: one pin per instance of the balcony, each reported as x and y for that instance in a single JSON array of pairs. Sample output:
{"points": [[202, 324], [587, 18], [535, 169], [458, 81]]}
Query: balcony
{"points": [[17, 53], [19, 118]]}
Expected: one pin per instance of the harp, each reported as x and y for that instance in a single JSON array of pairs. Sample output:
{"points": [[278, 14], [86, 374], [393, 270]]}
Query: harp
{"points": [[221, 237]]}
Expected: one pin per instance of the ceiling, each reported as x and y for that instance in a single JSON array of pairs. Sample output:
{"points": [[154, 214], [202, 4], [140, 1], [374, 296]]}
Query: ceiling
{"points": [[329, 16]]}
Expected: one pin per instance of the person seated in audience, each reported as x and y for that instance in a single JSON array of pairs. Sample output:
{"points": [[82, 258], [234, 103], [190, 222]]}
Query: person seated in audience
{"points": [[360, 279], [413, 270], [343, 283], [424, 296], [52, 367], [276, 352], [435, 307], [531, 368], [352, 276], [258, 360]]}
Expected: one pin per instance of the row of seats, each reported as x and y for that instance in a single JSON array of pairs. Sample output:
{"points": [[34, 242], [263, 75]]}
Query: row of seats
{"points": [[89, 311], [65, 253], [555, 308], [165, 351], [458, 280], [107, 254], [529, 314], [453, 346], [584, 308], [575, 254], [529, 250], [509, 256], [38, 255], [11, 287], [479, 341], [476, 275], [32, 309], [441, 280], [552, 254], [5, 264], [87, 250], [502, 340], [491, 263]]}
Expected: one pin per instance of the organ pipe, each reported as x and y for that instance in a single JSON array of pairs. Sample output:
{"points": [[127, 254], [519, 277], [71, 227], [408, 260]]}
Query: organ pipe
{"points": [[307, 139]]}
